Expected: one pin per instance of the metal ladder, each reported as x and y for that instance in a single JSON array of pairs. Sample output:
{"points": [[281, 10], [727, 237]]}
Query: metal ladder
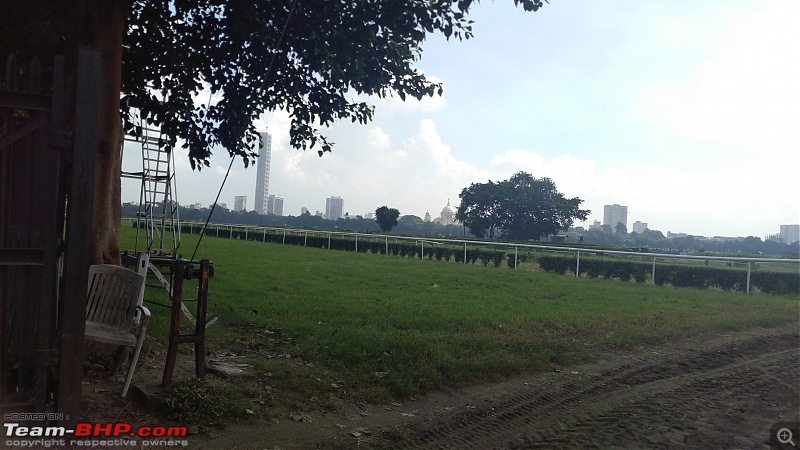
{"points": [[158, 205]]}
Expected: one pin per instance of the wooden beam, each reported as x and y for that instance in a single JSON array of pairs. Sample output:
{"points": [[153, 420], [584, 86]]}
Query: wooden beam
{"points": [[21, 256], [72, 304]]}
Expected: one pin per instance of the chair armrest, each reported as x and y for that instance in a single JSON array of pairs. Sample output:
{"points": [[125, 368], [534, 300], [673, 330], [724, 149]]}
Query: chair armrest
{"points": [[144, 311], [144, 314]]}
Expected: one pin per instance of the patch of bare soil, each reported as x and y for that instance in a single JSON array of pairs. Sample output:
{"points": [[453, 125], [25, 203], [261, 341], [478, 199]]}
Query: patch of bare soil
{"points": [[723, 392]]}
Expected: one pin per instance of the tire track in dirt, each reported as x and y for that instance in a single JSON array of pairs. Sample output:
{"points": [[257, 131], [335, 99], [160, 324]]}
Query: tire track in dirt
{"points": [[644, 403]]}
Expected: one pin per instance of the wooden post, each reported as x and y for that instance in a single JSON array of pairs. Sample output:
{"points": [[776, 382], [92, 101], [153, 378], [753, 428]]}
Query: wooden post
{"points": [[72, 305], [198, 337], [200, 326], [174, 322]]}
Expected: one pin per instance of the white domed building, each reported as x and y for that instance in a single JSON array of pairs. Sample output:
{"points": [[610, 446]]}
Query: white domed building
{"points": [[448, 215]]}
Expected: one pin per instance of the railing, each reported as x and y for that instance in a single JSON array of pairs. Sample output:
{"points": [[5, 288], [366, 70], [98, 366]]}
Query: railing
{"points": [[578, 252]]}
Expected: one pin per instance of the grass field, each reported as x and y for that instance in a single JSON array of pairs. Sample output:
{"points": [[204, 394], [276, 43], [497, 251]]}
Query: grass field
{"points": [[376, 327]]}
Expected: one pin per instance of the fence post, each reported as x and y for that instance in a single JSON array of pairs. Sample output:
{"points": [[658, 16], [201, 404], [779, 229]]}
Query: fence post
{"points": [[516, 257], [305, 238], [216, 227], [245, 234], [465, 252], [329, 241], [423, 250], [748, 277], [578, 265], [654, 271], [387, 245], [356, 243], [230, 235], [284, 237]]}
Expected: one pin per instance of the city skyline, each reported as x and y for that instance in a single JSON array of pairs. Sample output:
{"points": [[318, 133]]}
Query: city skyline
{"points": [[685, 114]]}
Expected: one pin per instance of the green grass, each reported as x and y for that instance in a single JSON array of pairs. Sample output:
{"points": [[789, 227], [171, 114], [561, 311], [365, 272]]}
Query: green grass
{"points": [[364, 326]]}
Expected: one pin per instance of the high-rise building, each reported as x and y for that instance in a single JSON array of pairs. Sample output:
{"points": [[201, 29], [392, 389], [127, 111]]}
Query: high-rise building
{"points": [[240, 203], [275, 205], [790, 233], [262, 173], [304, 210], [334, 208], [614, 214], [639, 227]]}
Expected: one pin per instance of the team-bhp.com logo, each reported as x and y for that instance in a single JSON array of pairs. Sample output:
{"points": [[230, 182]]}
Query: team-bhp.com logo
{"points": [[86, 434]]}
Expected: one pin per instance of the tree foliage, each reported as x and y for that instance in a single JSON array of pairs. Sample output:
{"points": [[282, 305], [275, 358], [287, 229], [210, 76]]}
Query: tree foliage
{"points": [[522, 208], [307, 58], [203, 71], [386, 218]]}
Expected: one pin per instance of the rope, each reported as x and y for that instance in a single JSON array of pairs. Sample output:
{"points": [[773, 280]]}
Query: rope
{"points": [[269, 69], [208, 219]]}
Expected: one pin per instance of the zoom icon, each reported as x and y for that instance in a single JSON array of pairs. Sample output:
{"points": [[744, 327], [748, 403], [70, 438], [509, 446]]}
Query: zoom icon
{"points": [[784, 435]]}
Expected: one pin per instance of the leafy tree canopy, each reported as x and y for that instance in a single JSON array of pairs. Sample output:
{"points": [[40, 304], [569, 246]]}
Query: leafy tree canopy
{"points": [[386, 217], [309, 58], [522, 207]]}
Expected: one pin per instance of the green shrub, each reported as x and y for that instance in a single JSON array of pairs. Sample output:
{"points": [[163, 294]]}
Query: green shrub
{"points": [[776, 282], [557, 263], [521, 257]]}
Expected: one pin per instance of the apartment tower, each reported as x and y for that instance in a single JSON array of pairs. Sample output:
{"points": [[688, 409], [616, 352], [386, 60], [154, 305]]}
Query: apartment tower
{"points": [[262, 173], [614, 214], [334, 208]]}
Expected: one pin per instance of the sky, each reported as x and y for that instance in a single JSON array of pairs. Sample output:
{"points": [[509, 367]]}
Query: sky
{"points": [[688, 113]]}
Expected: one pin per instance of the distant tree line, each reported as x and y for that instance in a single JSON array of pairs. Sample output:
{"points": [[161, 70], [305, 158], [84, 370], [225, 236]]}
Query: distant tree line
{"points": [[654, 239], [520, 209], [409, 224]]}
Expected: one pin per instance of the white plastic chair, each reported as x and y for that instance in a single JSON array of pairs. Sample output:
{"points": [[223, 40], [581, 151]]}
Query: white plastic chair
{"points": [[112, 303]]}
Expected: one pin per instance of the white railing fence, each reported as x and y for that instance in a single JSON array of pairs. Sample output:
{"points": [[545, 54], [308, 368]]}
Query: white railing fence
{"points": [[431, 242]]}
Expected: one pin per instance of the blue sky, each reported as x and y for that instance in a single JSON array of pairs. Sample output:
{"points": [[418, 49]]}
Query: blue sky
{"points": [[686, 112]]}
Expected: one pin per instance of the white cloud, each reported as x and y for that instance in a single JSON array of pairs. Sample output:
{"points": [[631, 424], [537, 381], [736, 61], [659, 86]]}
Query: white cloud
{"points": [[744, 95]]}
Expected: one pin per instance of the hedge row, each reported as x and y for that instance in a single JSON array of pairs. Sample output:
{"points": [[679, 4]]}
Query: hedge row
{"points": [[676, 275], [404, 249], [672, 274]]}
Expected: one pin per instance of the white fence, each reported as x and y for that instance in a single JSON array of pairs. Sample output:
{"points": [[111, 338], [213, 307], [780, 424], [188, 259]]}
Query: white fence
{"points": [[428, 243]]}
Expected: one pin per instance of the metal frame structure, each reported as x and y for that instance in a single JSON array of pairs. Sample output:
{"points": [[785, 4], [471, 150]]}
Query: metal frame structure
{"points": [[158, 202]]}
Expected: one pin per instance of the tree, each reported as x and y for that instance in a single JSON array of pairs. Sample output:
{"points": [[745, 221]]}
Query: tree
{"points": [[621, 228], [523, 207], [308, 58], [480, 208], [386, 218]]}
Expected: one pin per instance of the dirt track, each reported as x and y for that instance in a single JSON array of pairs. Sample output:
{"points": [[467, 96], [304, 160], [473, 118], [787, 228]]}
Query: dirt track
{"points": [[725, 395], [723, 392]]}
